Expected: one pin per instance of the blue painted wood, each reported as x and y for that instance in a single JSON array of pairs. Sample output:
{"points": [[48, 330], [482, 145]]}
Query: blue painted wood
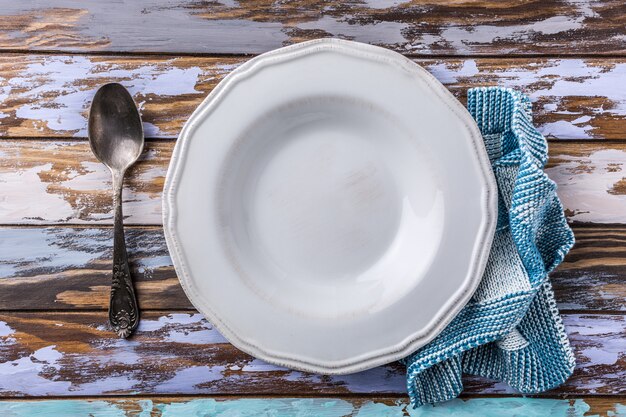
{"points": [[177, 353]]}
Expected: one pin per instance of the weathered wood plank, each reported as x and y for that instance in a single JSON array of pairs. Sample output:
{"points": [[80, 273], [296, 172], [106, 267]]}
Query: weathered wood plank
{"points": [[319, 407], [70, 186], [180, 353], [424, 27], [591, 180], [69, 268], [593, 275], [49, 181], [49, 95]]}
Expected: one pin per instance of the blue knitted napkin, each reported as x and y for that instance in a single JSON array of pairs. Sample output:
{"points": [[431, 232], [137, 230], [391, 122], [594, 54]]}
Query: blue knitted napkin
{"points": [[510, 330]]}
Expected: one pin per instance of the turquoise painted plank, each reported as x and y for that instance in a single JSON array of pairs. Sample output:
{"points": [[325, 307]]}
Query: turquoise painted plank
{"points": [[76, 408], [318, 407], [485, 407]]}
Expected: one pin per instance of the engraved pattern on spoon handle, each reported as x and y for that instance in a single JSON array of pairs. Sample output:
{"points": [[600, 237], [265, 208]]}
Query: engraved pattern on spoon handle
{"points": [[123, 311]]}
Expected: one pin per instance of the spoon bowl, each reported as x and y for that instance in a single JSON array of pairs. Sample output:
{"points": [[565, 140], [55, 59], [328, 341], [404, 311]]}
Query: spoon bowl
{"points": [[115, 129]]}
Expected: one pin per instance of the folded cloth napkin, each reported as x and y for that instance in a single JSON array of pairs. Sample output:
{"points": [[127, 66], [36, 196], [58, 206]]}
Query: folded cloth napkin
{"points": [[510, 330]]}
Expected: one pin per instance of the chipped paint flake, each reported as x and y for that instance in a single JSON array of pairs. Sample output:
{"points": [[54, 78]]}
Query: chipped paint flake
{"points": [[169, 320], [5, 329], [184, 328], [381, 33], [190, 378], [24, 375], [13, 193], [447, 74]]}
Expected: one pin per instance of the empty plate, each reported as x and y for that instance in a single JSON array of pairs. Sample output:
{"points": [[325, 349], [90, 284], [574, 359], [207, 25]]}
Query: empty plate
{"points": [[329, 207]]}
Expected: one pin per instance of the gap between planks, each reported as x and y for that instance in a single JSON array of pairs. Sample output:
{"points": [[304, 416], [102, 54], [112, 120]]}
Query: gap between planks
{"points": [[562, 141], [158, 226], [178, 310], [166, 54], [343, 395]]}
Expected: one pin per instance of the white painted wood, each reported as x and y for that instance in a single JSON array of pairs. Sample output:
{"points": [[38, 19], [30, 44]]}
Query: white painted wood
{"points": [[49, 95]]}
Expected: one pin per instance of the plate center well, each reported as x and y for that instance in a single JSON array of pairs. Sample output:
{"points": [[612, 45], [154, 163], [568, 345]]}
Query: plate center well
{"points": [[327, 196]]}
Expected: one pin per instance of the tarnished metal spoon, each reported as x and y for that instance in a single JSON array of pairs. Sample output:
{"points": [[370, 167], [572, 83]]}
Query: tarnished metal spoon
{"points": [[116, 138]]}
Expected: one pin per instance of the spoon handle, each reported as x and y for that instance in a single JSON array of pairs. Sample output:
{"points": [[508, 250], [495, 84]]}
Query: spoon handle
{"points": [[123, 311]]}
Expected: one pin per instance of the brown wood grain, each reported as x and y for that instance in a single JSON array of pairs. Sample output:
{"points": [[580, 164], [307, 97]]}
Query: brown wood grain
{"points": [[50, 353], [593, 274], [419, 27], [70, 268], [51, 268], [70, 186], [325, 406], [49, 95]]}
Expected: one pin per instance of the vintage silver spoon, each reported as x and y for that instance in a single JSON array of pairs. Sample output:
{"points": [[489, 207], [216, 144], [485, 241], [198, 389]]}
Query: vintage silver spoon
{"points": [[116, 138]]}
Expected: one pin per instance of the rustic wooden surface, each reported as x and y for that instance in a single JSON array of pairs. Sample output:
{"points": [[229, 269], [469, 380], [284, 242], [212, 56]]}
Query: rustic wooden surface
{"points": [[55, 208]]}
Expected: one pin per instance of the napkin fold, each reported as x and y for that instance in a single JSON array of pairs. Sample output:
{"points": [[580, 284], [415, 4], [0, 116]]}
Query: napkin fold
{"points": [[510, 330]]}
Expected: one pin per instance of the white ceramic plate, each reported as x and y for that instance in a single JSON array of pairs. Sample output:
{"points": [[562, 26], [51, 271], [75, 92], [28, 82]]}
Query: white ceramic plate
{"points": [[329, 207]]}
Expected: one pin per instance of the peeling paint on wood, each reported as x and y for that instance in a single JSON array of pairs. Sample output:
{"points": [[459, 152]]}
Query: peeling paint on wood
{"points": [[319, 407], [600, 346], [572, 98], [590, 177], [49, 95], [53, 268], [227, 26], [592, 275], [60, 268], [69, 185], [180, 353]]}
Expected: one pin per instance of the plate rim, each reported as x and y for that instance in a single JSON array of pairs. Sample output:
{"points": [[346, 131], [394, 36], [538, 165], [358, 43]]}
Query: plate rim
{"points": [[412, 342]]}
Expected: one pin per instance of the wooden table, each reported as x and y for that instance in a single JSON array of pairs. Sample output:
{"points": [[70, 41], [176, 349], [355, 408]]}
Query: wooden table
{"points": [[57, 356]]}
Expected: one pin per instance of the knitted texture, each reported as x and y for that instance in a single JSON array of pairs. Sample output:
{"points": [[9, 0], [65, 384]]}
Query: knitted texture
{"points": [[510, 330]]}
